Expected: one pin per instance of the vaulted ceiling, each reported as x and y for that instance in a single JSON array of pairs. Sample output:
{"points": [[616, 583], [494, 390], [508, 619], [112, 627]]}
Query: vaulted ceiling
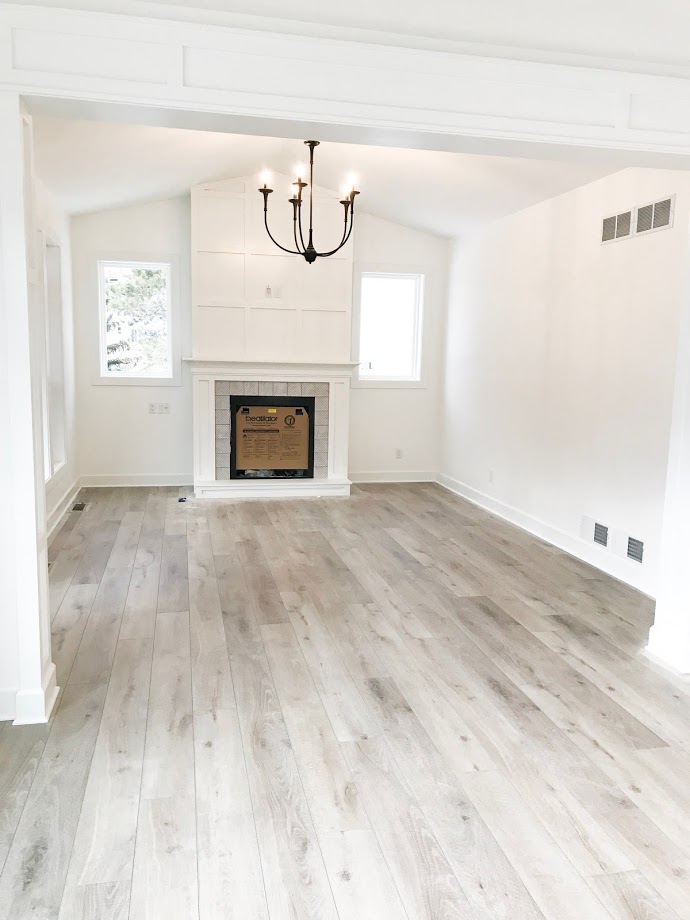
{"points": [[91, 165]]}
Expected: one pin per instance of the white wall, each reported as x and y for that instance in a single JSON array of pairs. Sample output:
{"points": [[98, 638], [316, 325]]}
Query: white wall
{"points": [[559, 368], [404, 417], [119, 442]]}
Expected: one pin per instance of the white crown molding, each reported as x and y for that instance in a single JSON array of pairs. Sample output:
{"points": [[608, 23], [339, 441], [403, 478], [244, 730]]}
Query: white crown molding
{"points": [[383, 92]]}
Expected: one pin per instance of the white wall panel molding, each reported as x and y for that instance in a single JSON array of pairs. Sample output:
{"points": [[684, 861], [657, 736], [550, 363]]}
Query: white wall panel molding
{"points": [[249, 300], [98, 56], [36, 51]]}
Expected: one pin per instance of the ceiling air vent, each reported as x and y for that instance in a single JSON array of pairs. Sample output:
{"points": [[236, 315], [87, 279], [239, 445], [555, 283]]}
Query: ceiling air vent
{"points": [[601, 534], [655, 216], [616, 227], [635, 549]]}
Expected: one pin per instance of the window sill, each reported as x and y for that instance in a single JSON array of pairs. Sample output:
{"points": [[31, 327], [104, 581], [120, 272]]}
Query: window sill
{"points": [[358, 384], [137, 382]]}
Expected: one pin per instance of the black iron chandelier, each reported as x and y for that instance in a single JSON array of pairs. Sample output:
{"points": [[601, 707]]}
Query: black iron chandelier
{"points": [[308, 251]]}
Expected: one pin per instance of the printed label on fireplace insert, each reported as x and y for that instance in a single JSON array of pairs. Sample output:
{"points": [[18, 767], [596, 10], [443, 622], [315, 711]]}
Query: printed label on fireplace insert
{"points": [[272, 438]]}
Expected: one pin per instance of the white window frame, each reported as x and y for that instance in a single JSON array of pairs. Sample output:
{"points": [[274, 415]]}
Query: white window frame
{"points": [[139, 260], [423, 288]]}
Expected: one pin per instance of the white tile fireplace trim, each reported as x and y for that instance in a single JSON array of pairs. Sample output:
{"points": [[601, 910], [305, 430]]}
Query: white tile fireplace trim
{"points": [[205, 373]]}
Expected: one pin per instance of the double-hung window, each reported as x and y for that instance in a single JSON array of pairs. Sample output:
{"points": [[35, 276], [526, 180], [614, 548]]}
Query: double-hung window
{"points": [[390, 327], [136, 321]]}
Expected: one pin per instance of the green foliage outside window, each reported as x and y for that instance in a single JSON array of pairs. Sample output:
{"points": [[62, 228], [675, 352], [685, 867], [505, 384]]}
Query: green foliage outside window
{"points": [[136, 320]]}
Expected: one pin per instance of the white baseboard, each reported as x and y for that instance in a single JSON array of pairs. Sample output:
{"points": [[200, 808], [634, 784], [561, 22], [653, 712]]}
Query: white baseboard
{"points": [[115, 480], [8, 703], [56, 513], [393, 476], [33, 707], [623, 569], [272, 488], [668, 647]]}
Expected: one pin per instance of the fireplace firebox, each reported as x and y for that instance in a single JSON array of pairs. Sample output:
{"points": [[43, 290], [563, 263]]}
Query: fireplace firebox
{"points": [[272, 437]]}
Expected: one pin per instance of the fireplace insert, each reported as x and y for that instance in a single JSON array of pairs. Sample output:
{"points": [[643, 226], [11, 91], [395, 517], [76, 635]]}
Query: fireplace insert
{"points": [[272, 437]]}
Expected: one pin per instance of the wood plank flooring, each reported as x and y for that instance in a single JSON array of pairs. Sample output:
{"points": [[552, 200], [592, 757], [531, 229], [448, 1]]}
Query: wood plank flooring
{"points": [[388, 707]]}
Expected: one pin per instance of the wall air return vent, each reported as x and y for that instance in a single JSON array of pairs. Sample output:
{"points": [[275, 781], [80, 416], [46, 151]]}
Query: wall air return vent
{"points": [[616, 227], [601, 534], [608, 230], [635, 549], [656, 216], [623, 224]]}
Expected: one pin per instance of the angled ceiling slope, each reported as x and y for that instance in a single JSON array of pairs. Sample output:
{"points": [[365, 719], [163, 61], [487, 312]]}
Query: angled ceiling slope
{"points": [[91, 166]]}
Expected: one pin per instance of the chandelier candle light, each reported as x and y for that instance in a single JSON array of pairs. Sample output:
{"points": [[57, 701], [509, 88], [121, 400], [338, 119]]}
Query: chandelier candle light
{"points": [[308, 251]]}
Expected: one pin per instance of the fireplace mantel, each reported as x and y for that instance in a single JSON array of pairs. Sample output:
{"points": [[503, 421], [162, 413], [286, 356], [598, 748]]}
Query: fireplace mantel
{"points": [[270, 370], [207, 371]]}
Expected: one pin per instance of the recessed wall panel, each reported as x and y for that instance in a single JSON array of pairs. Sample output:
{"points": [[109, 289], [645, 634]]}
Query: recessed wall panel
{"points": [[220, 223], [95, 56], [271, 333], [219, 333], [272, 279], [219, 278], [324, 336], [327, 284]]}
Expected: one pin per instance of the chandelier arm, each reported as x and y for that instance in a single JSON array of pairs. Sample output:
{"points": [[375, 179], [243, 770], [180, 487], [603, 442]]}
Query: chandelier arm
{"points": [[295, 208], [294, 228], [301, 237], [345, 238], [352, 223], [352, 216], [292, 252]]}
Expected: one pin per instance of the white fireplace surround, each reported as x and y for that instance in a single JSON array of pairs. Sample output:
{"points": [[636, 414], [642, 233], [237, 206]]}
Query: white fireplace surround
{"points": [[205, 374]]}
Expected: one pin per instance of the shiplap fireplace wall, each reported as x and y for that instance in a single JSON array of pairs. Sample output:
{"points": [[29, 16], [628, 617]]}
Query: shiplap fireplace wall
{"points": [[265, 321]]}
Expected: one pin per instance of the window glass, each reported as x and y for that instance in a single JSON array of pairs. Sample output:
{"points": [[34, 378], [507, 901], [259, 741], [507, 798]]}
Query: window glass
{"points": [[390, 326], [135, 319]]}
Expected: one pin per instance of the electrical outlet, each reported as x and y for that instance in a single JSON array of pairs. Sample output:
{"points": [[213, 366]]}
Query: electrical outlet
{"points": [[153, 408], [164, 408], [398, 453], [491, 475]]}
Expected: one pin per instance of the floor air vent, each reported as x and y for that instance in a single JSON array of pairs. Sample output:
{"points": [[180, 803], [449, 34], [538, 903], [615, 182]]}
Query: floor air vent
{"points": [[635, 549], [601, 534], [654, 216], [78, 506]]}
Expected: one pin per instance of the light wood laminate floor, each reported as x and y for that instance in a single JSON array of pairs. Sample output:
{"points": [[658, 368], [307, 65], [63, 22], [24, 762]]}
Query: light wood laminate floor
{"points": [[388, 707]]}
